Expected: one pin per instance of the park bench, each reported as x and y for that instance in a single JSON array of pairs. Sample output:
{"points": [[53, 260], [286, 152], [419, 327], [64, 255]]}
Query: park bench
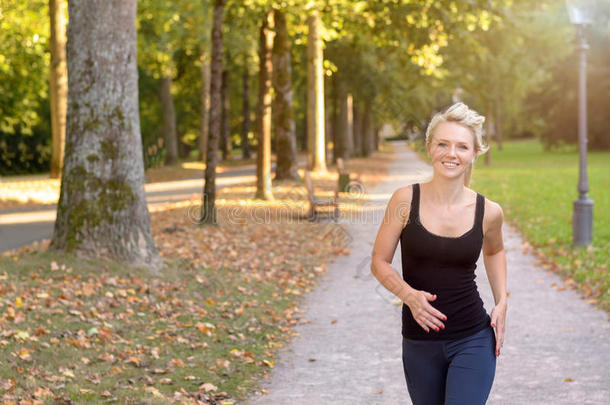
{"points": [[315, 203]]}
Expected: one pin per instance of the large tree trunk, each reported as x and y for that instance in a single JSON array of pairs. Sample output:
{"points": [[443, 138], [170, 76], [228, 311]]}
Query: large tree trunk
{"points": [[263, 123], [169, 121], [357, 129], [225, 130], [208, 208], [58, 84], [283, 118], [102, 206], [368, 141], [315, 96], [245, 124], [204, 108]]}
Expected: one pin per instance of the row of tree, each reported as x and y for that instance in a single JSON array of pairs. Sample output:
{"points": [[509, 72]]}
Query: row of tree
{"points": [[328, 73]]}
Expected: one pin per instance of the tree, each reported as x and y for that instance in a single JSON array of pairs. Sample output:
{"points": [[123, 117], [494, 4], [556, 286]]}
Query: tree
{"points": [[245, 124], [315, 96], [58, 84], [102, 206], [263, 123], [160, 33], [204, 107], [225, 125], [208, 207], [283, 118]]}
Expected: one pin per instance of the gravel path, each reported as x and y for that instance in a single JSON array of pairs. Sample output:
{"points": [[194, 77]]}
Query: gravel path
{"points": [[557, 347]]}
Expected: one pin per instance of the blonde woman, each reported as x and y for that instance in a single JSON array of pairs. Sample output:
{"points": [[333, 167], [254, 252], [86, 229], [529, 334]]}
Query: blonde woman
{"points": [[449, 345]]}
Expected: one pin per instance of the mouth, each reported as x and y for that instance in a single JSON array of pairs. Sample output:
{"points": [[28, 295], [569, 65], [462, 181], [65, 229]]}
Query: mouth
{"points": [[450, 165]]}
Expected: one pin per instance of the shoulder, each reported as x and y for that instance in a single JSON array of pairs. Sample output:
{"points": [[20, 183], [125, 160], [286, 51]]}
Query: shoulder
{"points": [[400, 203], [493, 216]]}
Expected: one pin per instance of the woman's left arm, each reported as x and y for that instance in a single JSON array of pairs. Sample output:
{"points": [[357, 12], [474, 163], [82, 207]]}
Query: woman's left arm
{"points": [[494, 258]]}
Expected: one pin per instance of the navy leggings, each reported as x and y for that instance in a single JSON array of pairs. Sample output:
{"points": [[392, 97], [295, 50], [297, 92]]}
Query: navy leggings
{"points": [[450, 372]]}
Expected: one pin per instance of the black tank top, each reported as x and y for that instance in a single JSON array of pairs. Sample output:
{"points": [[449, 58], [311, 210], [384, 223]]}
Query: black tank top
{"points": [[444, 266]]}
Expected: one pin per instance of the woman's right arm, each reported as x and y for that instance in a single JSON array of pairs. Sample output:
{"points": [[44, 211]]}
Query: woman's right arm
{"points": [[387, 239]]}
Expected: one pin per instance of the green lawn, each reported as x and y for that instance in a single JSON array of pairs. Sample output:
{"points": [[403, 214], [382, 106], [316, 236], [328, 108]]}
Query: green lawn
{"points": [[536, 190]]}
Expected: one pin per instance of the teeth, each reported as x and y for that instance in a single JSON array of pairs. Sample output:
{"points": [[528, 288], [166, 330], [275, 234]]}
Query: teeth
{"points": [[450, 164]]}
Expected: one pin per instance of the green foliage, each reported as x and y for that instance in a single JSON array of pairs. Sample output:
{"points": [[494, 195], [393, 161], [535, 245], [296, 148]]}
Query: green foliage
{"points": [[555, 107]]}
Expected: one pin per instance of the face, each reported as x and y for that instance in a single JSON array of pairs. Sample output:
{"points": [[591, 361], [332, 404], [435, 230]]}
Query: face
{"points": [[451, 149]]}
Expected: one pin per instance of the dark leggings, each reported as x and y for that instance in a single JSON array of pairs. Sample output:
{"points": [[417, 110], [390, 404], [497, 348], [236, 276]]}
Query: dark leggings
{"points": [[450, 372]]}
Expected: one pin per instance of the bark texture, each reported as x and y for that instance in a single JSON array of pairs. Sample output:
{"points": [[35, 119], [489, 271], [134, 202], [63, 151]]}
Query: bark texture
{"points": [[204, 112], [170, 134], [315, 95], [102, 206], [208, 208], [283, 117], [263, 124], [58, 84]]}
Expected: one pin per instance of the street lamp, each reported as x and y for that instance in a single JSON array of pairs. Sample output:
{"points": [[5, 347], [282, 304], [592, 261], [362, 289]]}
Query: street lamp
{"points": [[581, 13]]}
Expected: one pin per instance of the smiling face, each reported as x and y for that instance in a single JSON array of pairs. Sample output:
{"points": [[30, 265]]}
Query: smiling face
{"points": [[451, 149]]}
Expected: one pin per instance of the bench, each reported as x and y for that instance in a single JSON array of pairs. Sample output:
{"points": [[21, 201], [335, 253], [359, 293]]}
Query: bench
{"points": [[315, 203]]}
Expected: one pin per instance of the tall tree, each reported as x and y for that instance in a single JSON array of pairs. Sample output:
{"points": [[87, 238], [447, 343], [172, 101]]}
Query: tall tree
{"points": [[357, 118], [368, 143], [225, 125], [102, 206], [58, 83], [208, 207], [204, 106], [315, 95], [170, 133], [283, 118], [245, 113], [263, 124]]}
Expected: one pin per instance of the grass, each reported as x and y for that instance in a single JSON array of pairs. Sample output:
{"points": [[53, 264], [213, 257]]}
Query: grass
{"points": [[206, 330], [536, 189]]}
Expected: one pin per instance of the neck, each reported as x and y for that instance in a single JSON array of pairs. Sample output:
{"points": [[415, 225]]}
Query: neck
{"points": [[446, 192]]}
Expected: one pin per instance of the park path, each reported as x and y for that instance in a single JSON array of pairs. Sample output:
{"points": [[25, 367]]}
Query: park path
{"points": [[556, 350]]}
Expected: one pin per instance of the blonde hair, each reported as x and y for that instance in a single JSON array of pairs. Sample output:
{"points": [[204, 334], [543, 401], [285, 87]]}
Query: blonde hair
{"points": [[461, 114]]}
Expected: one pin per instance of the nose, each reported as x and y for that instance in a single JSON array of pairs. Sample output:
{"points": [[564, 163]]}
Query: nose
{"points": [[451, 151]]}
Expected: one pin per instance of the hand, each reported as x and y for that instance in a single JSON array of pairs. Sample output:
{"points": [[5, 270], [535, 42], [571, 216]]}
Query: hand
{"points": [[498, 321], [425, 314]]}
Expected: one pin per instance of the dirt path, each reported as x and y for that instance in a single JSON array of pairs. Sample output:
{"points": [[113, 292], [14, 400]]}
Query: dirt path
{"points": [[557, 348]]}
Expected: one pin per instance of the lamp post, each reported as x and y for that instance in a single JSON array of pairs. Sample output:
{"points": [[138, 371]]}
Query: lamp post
{"points": [[581, 13]]}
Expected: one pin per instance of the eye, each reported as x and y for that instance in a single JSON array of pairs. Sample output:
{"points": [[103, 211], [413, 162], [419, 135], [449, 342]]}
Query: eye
{"points": [[464, 147], [441, 144]]}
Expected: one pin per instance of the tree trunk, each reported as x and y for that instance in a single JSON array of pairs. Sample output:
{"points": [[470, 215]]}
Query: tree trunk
{"points": [[357, 113], [283, 117], [335, 116], [315, 96], [368, 142], [169, 121], [263, 122], [345, 130], [226, 121], [58, 84], [204, 106], [102, 206], [208, 208], [245, 124]]}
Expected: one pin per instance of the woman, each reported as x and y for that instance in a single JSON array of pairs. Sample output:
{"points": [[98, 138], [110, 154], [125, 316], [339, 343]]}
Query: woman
{"points": [[449, 346]]}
